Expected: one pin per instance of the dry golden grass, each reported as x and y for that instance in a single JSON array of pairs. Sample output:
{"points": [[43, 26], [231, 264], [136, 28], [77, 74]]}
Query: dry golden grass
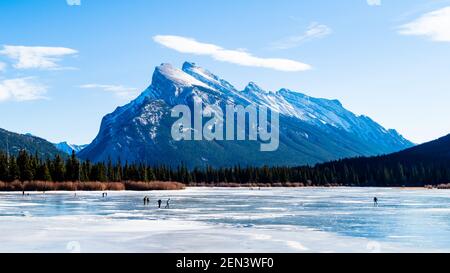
{"points": [[154, 186], [249, 185], [443, 187], [89, 186]]}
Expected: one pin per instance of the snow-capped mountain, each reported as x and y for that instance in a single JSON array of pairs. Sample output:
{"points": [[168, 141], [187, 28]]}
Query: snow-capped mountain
{"points": [[312, 130], [68, 148]]}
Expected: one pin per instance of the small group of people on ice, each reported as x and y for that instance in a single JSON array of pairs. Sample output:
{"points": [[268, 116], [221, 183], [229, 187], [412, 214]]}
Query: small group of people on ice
{"points": [[147, 202]]}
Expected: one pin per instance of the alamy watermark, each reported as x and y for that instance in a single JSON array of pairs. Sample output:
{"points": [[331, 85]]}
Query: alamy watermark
{"points": [[210, 123]]}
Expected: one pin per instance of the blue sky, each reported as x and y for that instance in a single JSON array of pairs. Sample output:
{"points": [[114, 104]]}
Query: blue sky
{"points": [[63, 67]]}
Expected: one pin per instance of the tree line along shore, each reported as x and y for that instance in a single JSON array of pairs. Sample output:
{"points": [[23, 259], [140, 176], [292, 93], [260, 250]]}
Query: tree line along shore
{"points": [[29, 172]]}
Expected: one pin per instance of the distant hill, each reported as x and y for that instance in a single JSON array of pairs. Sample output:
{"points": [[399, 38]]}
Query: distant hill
{"points": [[16, 142], [426, 164], [437, 149]]}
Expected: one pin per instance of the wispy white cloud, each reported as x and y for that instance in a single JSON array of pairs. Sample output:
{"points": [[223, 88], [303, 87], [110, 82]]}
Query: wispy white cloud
{"points": [[2, 66], [73, 2], [314, 31], [435, 25], [239, 57], [120, 91], [27, 57], [374, 2], [22, 89]]}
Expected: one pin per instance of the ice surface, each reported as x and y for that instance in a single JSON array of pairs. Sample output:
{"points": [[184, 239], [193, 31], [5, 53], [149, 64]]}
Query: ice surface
{"points": [[228, 220]]}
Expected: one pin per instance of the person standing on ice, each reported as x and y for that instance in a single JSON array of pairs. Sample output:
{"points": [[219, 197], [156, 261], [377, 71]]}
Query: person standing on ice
{"points": [[375, 202], [159, 203], [168, 204]]}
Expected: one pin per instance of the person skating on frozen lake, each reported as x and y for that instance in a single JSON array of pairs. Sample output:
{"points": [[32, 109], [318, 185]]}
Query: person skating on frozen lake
{"points": [[375, 202], [168, 204], [159, 203]]}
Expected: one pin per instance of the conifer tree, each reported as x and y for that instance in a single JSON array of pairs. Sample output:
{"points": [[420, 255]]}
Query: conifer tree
{"points": [[58, 169], [24, 166]]}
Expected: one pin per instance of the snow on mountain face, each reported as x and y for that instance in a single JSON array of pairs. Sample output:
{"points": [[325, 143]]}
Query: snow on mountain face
{"points": [[254, 88], [312, 129], [319, 112], [68, 148], [207, 77], [178, 77], [175, 86], [228, 92], [273, 101]]}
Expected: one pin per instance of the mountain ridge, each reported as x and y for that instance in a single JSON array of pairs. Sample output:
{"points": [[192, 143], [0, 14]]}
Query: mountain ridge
{"points": [[13, 143], [312, 130]]}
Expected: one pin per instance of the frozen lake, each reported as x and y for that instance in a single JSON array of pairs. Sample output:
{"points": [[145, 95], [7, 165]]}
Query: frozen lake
{"points": [[228, 220]]}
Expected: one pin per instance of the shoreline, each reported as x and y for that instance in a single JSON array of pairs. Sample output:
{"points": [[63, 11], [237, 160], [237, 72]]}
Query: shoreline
{"points": [[40, 186], [31, 187], [147, 188]]}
